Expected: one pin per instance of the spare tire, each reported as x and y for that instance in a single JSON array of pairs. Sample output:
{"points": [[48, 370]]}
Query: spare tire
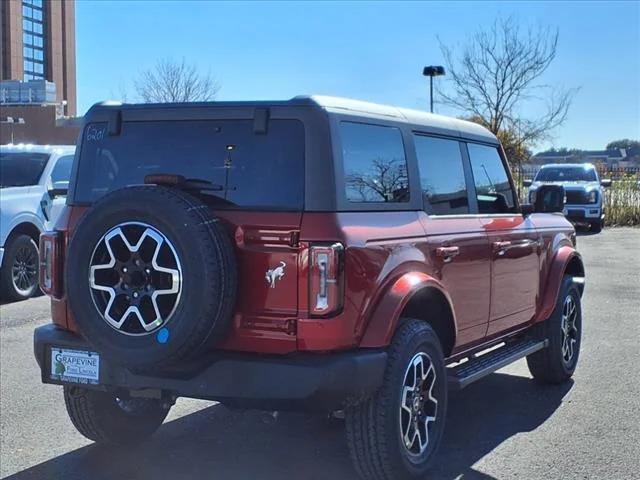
{"points": [[151, 277]]}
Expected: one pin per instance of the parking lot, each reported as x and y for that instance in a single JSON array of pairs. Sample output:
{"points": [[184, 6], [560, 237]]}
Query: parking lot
{"points": [[503, 427]]}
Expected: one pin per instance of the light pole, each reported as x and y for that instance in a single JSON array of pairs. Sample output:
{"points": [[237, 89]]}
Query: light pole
{"points": [[11, 122], [432, 71]]}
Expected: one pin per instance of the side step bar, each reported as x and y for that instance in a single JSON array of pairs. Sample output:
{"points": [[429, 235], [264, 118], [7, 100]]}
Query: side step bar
{"points": [[476, 368]]}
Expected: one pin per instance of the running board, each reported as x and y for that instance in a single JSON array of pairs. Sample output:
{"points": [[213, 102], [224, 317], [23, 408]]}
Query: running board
{"points": [[476, 368]]}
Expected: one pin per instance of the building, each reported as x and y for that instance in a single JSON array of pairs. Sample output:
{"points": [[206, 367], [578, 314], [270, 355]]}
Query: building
{"points": [[611, 158], [38, 43]]}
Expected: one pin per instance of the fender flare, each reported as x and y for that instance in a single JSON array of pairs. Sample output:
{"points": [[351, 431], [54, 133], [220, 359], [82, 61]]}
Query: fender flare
{"points": [[385, 317], [559, 265]]}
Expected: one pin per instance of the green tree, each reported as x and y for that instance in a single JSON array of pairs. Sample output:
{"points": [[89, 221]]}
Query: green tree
{"points": [[624, 143]]}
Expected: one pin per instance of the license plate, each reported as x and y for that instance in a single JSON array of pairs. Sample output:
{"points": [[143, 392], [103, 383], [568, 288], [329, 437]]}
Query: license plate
{"points": [[75, 366]]}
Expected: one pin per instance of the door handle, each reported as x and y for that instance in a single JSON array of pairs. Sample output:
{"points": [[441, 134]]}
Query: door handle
{"points": [[447, 253], [501, 247]]}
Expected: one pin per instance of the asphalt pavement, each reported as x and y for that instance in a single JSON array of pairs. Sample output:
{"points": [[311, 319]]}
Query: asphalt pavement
{"points": [[503, 427]]}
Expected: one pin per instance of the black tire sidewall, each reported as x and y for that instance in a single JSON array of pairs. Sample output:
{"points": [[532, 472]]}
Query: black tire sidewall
{"points": [[199, 307], [424, 340], [9, 289], [554, 329]]}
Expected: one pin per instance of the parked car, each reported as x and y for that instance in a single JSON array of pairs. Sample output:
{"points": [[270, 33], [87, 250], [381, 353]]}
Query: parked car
{"points": [[583, 187], [314, 254], [33, 186]]}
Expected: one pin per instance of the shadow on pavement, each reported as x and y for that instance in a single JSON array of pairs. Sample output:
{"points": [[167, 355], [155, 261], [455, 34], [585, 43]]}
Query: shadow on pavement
{"points": [[218, 443]]}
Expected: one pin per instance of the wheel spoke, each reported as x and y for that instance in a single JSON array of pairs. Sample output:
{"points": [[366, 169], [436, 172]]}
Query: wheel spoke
{"points": [[127, 284], [418, 408]]}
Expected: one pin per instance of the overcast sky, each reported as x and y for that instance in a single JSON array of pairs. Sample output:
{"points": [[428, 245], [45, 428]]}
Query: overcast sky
{"points": [[371, 51]]}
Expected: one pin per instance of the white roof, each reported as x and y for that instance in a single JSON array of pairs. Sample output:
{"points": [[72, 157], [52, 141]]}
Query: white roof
{"points": [[404, 115], [30, 147]]}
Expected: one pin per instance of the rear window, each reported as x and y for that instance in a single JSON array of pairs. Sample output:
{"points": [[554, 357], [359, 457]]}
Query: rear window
{"points": [[244, 169], [21, 169]]}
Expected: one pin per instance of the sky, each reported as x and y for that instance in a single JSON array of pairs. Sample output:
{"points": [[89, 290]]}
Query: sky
{"points": [[371, 51]]}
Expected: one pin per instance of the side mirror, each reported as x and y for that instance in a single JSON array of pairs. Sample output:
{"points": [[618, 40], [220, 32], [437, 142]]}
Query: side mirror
{"points": [[58, 189], [527, 182], [549, 199], [605, 182]]}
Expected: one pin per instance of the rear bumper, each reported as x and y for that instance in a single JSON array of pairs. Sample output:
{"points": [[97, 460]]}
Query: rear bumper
{"points": [[316, 382]]}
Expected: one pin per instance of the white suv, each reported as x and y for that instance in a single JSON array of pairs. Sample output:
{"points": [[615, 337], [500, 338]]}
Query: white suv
{"points": [[33, 186], [583, 190]]}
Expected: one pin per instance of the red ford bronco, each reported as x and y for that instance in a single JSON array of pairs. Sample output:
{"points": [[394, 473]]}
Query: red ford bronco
{"points": [[314, 254]]}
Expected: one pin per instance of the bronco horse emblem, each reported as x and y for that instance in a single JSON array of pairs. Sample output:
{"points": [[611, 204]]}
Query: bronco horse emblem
{"points": [[275, 274]]}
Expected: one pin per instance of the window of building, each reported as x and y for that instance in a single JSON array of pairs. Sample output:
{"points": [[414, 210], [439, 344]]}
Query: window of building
{"points": [[442, 175], [493, 189], [375, 167], [33, 29]]}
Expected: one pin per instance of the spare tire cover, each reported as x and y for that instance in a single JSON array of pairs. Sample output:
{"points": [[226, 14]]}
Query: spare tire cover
{"points": [[151, 277]]}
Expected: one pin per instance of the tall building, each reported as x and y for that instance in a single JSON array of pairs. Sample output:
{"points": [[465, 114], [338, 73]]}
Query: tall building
{"points": [[39, 43]]}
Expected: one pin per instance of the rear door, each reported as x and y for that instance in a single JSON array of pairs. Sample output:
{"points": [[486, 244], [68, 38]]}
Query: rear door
{"points": [[514, 241], [457, 244], [252, 177]]}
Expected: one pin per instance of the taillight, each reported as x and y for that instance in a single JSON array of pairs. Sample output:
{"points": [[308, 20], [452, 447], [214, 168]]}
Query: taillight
{"points": [[326, 289], [50, 270]]}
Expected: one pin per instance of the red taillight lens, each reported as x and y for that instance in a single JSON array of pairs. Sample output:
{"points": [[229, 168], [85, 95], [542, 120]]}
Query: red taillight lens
{"points": [[326, 289], [50, 270]]}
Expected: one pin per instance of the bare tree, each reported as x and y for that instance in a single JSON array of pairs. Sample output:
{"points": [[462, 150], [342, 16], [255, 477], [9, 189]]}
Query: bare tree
{"points": [[172, 81], [497, 72], [387, 181]]}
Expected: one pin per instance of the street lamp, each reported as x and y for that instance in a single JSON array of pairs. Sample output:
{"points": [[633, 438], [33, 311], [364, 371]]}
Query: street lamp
{"points": [[432, 71]]}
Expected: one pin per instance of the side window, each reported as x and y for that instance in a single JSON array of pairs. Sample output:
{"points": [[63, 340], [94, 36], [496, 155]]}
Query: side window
{"points": [[375, 167], [62, 171], [442, 175], [491, 179]]}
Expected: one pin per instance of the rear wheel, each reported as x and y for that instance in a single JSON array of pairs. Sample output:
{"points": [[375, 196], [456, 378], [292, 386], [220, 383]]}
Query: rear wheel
{"points": [[557, 363], [395, 434], [105, 418], [20, 269], [596, 227]]}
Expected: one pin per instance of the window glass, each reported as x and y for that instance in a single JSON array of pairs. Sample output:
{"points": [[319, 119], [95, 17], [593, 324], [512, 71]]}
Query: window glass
{"points": [[242, 168], [21, 169], [492, 182], [37, 27], [62, 171], [567, 174], [37, 14], [37, 67], [375, 166], [442, 175], [37, 41]]}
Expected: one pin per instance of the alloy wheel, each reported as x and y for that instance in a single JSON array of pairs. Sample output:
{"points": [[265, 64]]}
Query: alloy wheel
{"points": [[135, 278], [24, 271], [419, 407], [569, 329]]}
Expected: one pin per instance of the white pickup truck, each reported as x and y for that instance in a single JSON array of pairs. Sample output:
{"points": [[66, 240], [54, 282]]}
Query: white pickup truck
{"points": [[33, 186]]}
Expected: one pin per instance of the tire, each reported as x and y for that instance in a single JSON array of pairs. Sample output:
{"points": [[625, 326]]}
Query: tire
{"points": [[596, 227], [103, 418], [557, 363], [375, 426], [19, 275], [181, 251]]}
